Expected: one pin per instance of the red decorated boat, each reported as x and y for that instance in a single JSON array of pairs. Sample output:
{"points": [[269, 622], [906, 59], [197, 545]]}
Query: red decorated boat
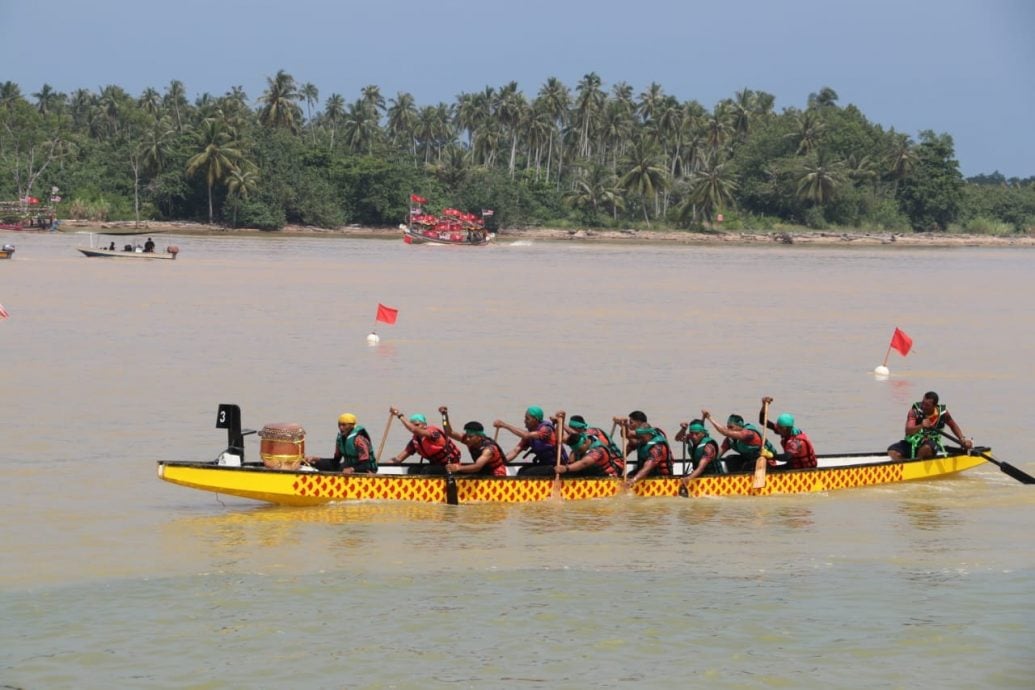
{"points": [[451, 226]]}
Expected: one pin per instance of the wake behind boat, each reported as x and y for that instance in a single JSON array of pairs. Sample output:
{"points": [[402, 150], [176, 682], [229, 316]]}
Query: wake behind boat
{"points": [[294, 483]]}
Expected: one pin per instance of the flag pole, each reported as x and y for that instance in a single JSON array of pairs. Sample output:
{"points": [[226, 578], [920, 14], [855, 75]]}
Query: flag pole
{"points": [[886, 355]]}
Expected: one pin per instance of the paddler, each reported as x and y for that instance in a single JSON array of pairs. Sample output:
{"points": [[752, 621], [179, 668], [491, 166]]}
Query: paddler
{"points": [[924, 421], [704, 450], [428, 441], [798, 451], [653, 455], [539, 438], [743, 438], [353, 452], [489, 458], [593, 453]]}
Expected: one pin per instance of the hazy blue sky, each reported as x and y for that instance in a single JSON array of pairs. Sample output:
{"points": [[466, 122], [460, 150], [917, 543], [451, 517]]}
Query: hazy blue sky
{"points": [[964, 67]]}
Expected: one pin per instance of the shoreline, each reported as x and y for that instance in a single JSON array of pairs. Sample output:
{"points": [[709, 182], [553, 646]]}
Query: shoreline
{"points": [[721, 238]]}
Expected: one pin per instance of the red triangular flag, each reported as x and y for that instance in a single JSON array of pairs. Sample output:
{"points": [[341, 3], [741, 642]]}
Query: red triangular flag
{"points": [[901, 342], [386, 314]]}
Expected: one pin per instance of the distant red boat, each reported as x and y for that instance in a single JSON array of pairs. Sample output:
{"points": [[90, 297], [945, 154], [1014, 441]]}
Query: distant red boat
{"points": [[450, 227]]}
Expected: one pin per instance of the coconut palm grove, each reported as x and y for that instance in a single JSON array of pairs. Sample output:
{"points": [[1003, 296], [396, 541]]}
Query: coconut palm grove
{"points": [[587, 155]]}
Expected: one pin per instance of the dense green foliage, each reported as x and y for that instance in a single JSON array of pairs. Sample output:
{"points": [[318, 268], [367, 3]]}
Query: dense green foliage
{"points": [[565, 157]]}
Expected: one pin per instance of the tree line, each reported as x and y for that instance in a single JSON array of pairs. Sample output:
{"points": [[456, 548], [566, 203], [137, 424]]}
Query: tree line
{"points": [[584, 156]]}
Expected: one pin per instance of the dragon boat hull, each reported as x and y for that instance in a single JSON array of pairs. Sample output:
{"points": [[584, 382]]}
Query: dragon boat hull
{"points": [[305, 487]]}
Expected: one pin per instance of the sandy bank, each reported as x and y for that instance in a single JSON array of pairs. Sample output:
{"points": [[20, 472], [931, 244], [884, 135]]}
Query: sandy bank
{"points": [[779, 238]]}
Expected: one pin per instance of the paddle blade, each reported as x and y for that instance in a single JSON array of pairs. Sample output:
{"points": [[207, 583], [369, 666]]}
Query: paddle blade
{"points": [[555, 488], [760, 467], [1020, 475], [451, 494]]}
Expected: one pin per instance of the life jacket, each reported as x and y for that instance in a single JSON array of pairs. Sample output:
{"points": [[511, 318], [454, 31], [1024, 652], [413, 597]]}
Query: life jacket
{"points": [[438, 452], [717, 465], [927, 435], [545, 452], [751, 450], [349, 454], [806, 458], [657, 437], [497, 466]]}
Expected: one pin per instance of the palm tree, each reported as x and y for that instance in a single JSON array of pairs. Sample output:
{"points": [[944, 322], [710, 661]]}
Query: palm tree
{"points": [[903, 157], [826, 98], [176, 99], [81, 104], [402, 121], [556, 99], [219, 155], [47, 99], [156, 145], [589, 101], [9, 94], [712, 187], [241, 181], [651, 100], [372, 99], [360, 128], [150, 102], [311, 94], [511, 109], [821, 179], [279, 107], [334, 114], [809, 131], [646, 176]]}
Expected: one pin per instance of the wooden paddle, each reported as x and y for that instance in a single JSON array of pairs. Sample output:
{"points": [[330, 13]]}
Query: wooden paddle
{"points": [[1020, 475], [625, 456], [683, 491], [762, 462], [451, 491], [384, 437], [555, 488]]}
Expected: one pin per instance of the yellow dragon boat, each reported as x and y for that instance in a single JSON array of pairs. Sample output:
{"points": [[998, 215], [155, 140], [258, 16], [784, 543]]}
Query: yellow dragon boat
{"points": [[304, 486]]}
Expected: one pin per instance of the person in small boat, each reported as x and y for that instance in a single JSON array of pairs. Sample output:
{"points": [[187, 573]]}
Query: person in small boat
{"points": [[353, 452], [741, 437], [430, 442], [704, 450], [539, 439], [149, 246], [924, 421], [798, 451], [489, 459], [593, 453], [653, 454]]}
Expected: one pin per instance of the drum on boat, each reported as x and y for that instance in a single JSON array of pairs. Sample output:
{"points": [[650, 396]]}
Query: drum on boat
{"points": [[282, 446]]}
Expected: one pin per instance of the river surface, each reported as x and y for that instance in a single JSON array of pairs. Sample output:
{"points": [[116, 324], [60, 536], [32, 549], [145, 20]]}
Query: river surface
{"points": [[112, 578]]}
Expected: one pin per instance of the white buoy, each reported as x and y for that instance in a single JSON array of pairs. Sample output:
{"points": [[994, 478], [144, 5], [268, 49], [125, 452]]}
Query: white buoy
{"points": [[881, 370], [373, 339]]}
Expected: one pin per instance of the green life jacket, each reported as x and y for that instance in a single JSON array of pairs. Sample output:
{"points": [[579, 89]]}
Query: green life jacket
{"points": [[927, 435], [748, 450], [349, 455], [657, 436], [716, 466]]}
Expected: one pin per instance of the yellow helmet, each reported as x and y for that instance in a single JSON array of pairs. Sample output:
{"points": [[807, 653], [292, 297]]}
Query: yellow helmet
{"points": [[347, 418]]}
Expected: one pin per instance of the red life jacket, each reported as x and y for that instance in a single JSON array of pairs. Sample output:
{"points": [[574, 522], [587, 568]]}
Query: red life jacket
{"points": [[496, 466], [806, 453], [439, 450]]}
